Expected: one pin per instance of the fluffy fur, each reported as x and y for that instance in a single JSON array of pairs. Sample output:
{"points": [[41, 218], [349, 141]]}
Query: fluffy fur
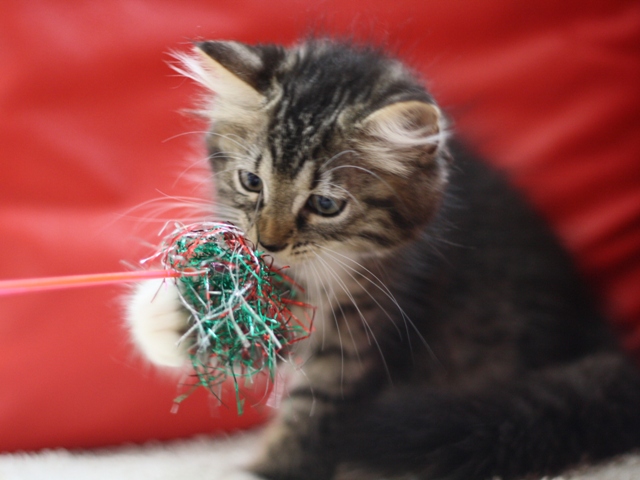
{"points": [[157, 321], [454, 339], [216, 458]]}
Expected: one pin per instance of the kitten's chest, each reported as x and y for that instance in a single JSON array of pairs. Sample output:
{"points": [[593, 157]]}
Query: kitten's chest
{"points": [[331, 283]]}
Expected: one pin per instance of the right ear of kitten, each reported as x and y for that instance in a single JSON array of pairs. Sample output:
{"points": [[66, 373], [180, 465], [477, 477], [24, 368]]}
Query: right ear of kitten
{"points": [[454, 338]]}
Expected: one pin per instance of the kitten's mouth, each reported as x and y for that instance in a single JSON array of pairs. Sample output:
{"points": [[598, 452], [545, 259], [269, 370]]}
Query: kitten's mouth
{"points": [[289, 256], [283, 258], [272, 249], [279, 255]]}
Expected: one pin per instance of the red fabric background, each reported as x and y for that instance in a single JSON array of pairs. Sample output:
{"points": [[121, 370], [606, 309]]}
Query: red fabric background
{"points": [[88, 125]]}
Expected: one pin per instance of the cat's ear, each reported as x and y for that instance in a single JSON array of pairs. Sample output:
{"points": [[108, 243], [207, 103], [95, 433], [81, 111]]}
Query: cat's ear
{"points": [[407, 124], [401, 133], [234, 61], [232, 71]]}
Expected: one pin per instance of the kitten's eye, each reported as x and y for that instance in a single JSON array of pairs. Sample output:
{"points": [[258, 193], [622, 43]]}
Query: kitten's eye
{"points": [[325, 206], [250, 181]]}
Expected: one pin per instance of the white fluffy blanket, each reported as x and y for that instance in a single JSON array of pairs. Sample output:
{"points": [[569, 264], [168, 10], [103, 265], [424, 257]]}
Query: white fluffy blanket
{"points": [[200, 458]]}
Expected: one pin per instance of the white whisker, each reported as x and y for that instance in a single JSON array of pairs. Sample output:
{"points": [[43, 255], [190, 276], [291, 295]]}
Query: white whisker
{"points": [[178, 135], [254, 218], [366, 170], [250, 149], [380, 285], [336, 156], [345, 191], [335, 320], [348, 270], [369, 331]]}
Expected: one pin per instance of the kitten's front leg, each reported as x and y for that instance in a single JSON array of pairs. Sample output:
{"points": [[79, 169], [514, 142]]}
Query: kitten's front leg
{"points": [[337, 376]]}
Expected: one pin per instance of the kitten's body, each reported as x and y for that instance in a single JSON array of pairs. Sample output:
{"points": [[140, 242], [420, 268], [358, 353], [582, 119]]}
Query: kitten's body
{"points": [[454, 340]]}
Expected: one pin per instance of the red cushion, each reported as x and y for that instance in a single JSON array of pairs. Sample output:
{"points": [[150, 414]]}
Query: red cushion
{"points": [[89, 128]]}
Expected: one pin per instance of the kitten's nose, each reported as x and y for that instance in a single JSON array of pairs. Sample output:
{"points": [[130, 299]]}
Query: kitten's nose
{"points": [[274, 248]]}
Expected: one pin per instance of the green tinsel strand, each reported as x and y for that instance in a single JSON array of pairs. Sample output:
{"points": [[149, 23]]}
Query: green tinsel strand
{"points": [[239, 304]]}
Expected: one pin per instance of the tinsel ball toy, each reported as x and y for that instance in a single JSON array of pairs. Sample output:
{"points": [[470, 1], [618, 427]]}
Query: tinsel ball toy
{"points": [[240, 318], [239, 304]]}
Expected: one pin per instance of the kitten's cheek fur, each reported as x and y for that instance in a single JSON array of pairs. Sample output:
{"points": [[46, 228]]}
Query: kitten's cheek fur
{"points": [[157, 321]]}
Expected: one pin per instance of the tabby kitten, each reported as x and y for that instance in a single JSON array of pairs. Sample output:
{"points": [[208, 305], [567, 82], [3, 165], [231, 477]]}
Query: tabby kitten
{"points": [[453, 338]]}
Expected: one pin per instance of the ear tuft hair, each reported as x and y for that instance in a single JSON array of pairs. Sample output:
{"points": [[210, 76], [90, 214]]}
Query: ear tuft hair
{"points": [[228, 70], [237, 58], [409, 129], [407, 124]]}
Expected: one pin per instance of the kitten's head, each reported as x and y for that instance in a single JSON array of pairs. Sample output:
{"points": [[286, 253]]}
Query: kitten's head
{"points": [[321, 146]]}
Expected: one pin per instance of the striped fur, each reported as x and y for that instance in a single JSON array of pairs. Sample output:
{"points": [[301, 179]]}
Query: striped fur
{"points": [[398, 249]]}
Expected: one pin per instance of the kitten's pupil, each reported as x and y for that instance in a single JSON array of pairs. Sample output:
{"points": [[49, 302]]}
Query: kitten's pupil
{"points": [[324, 205], [250, 181]]}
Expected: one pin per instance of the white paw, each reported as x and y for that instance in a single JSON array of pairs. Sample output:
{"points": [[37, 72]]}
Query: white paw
{"points": [[157, 321]]}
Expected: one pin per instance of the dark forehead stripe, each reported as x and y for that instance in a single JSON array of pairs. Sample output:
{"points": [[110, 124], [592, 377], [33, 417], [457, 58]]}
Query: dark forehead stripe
{"points": [[302, 127], [318, 82]]}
